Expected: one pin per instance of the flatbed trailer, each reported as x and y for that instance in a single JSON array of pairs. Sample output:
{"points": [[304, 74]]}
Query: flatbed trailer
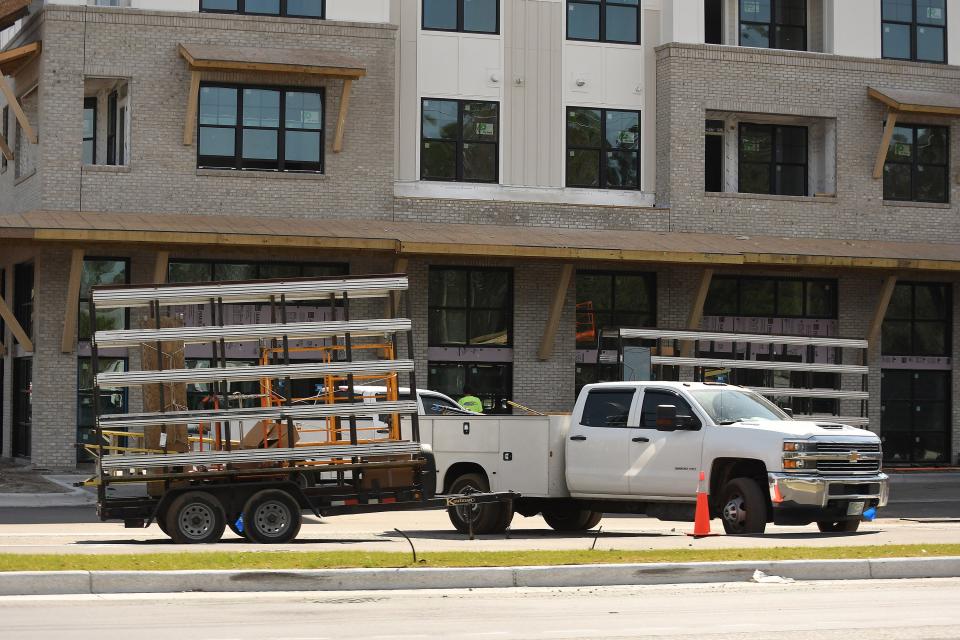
{"points": [[246, 469]]}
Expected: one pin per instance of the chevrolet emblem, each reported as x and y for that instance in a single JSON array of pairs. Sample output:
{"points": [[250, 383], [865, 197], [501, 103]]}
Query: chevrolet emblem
{"points": [[854, 456]]}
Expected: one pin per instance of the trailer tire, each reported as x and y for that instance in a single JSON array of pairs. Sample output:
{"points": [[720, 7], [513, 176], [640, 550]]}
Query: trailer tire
{"points": [[271, 516], [487, 518], [838, 526], [743, 507], [572, 519], [195, 517]]}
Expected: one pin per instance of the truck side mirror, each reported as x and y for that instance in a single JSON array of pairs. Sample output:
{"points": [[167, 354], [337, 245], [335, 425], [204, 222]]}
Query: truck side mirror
{"points": [[666, 417], [787, 410]]}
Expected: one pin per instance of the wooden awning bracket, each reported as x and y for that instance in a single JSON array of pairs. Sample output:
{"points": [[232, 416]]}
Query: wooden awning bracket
{"points": [[342, 117], [15, 327], [5, 149], [10, 63], [193, 103], [885, 144], [68, 342], [545, 352]]}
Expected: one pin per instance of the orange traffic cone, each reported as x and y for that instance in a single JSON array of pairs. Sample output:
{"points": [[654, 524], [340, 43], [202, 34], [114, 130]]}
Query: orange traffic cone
{"points": [[701, 522]]}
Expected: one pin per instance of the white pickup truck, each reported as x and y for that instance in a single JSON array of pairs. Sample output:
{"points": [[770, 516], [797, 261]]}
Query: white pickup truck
{"points": [[639, 447]]}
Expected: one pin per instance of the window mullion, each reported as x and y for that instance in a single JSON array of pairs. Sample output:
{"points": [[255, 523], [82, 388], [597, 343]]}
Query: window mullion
{"points": [[282, 126], [238, 136]]}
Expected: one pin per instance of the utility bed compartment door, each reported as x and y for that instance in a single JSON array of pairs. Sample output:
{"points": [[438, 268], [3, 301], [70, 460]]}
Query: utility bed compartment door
{"points": [[524, 456], [467, 434]]}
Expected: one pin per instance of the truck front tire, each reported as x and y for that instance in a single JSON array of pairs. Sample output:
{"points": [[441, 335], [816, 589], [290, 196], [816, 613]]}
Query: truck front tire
{"points": [[572, 519], [743, 507], [838, 526], [195, 517], [488, 518]]}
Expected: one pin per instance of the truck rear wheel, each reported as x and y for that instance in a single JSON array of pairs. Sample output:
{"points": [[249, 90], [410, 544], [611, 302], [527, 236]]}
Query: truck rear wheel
{"points": [[271, 516], [744, 508], [486, 518], [838, 526], [195, 517], [569, 519]]}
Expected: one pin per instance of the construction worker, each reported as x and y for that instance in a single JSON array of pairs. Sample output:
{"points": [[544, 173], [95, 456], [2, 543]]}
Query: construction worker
{"points": [[470, 402]]}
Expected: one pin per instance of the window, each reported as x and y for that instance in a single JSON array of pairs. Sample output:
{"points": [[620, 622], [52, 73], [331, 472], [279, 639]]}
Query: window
{"points": [[22, 406], [210, 271], [773, 159], [917, 166], [492, 383], [653, 398], [460, 140], [713, 156], [915, 30], [117, 127], [470, 307], [613, 299], [603, 148], [261, 128], [89, 131], [6, 137], [607, 408], [289, 8], [23, 295], [915, 416], [101, 271], [3, 325], [771, 297], [713, 21], [469, 16], [604, 20], [112, 400], [774, 24], [918, 320]]}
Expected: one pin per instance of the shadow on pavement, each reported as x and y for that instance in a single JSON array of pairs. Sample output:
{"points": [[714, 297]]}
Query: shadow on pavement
{"points": [[527, 534], [167, 542]]}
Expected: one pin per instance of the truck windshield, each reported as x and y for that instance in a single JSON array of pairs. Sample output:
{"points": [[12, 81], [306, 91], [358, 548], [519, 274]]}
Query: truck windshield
{"points": [[727, 406]]}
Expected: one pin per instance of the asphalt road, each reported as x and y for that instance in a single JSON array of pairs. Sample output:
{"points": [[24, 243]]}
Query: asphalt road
{"points": [[895, 609]]}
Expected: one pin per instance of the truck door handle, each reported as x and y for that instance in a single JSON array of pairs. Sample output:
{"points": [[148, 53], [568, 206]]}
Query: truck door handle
{"points": [[641, 439], [578, 437]]}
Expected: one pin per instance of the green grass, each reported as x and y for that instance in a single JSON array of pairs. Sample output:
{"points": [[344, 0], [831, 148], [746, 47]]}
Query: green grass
{"points": [[352, 559]]}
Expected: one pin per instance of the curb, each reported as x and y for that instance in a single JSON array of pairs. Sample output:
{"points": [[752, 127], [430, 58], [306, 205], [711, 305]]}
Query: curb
{"points": [[106, 582]]}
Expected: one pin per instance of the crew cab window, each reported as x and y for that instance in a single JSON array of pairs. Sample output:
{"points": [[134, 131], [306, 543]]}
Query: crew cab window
{"points": [[653, 399], [607, 408]]}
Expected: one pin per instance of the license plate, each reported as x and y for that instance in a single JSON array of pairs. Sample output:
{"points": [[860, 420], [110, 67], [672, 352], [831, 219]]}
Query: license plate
{"points": [[855, 509]]}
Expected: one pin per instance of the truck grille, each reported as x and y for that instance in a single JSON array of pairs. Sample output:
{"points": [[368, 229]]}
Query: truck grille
{"points": [[844, 447], [848, 467]]}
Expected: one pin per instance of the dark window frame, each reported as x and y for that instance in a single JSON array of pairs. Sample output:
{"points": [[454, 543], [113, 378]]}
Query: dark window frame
{"points": [[23, 310], [510, 311], [84, 301], [739, 279], [913, 320], [460, 28], [914, 163], [460, 142], [6, 137], [112, 121], [281, 130], [651, 283], [603, 4], [772, 26], [911, 430], [212, 262], [283, 13], [602, 150], [913, 25], [772, 163], [508, 370], [91, 103]]}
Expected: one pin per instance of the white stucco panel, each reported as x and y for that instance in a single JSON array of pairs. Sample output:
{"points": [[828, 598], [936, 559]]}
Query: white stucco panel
{"points": [[609, 75], [359, 10], [458, 65]]}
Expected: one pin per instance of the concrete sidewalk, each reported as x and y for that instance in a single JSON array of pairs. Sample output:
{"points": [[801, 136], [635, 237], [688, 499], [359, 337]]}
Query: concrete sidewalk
{"points": [[65, 494], [103, 582]]}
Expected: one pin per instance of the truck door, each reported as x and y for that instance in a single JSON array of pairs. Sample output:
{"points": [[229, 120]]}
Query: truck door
{"points": [[598, 443], [665, 463]]}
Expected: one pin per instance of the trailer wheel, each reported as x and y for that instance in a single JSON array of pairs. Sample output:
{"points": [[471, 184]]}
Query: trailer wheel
{"points": [[271, 516], [744, 508], [838, 526], [195, 517], [570, 519], [486, 518]]}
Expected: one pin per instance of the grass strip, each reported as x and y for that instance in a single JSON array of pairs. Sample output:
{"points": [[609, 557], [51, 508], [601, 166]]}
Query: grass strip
{"points": [[266, 560]]}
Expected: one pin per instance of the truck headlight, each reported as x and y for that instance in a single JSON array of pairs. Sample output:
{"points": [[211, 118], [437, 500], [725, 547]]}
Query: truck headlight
{"points": [[793, 445]]}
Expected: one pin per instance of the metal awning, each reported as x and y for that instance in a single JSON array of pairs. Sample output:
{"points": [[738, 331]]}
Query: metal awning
{"points": [[909, 102], [11, 11], [311, 62], [418, 238]]}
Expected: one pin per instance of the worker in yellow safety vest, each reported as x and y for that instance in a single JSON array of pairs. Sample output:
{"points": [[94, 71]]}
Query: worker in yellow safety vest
{"points": [[470, 402]]}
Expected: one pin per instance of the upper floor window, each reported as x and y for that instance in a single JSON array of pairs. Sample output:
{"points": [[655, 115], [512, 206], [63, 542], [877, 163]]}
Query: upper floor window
{"points": [[915, 30], [289, 8], [468, 16], [604, 20], [773, 159], [261, 128], [460, 140], [774, 24], [470, 307], [90, 130], [918, 320], [771, 297], [106, 111], [603, 148], [917, 164]]}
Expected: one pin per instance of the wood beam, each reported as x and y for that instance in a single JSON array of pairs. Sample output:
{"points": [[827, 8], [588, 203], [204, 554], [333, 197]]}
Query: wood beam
{"points": [[880, 312], [15, 328], [68, 341], [160, 267], [696, 309], [556, 311], [190, 122], [884, 144], [342, 118], [5, 149], [18, 110]]}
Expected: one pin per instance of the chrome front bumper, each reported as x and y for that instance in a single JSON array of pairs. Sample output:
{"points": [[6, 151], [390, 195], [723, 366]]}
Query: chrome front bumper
{"points": [[811, 490]]}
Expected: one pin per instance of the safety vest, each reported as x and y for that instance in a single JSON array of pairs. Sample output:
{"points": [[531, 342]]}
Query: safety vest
{"points": [[471, 403]]}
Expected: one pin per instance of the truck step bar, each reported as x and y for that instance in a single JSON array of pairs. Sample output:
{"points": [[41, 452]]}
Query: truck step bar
{"points": [[291, 290], [294, 412], [326, 452], [769, 365], [708, 336], [237, 374], [245, 333]]}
